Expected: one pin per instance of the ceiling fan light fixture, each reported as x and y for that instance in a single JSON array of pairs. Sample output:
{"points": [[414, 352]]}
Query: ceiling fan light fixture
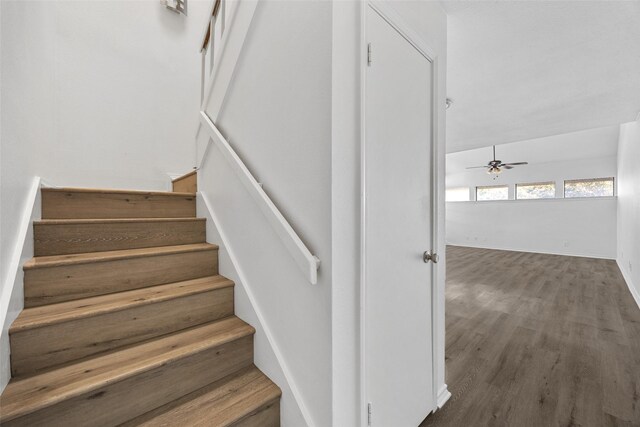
{"points": [[495, 166]]}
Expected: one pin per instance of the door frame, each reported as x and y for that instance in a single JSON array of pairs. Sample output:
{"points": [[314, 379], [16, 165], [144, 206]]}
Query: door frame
{"points": [[387, 13]]}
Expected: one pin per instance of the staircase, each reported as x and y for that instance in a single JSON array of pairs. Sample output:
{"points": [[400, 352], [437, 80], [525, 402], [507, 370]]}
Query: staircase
{"points": [[127, 321]]}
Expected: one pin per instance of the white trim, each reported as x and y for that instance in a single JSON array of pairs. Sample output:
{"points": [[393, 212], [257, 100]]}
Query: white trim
{"points": [[307, 262], [364, 409], [386, 12], [46, 184], [389, 14], [443, 396], [172, 176], [240, 20], [265, 327], [13, 269], [230, 46], [468, 245], [14, 263], [548, 200], [627, 279]]}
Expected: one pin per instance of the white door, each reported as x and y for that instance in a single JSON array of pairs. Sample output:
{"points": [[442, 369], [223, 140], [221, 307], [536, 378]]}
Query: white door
{"points": [[398, 229]]}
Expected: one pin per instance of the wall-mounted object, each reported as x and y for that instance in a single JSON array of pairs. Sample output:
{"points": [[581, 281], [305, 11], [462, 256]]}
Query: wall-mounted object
{"points": [[177, 6], [448, 103]]}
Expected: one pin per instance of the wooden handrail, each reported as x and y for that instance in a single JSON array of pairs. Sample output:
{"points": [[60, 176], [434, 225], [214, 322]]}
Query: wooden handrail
{"points": [[207, 32]]}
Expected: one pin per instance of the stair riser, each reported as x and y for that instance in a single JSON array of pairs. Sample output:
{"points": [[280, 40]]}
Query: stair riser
{"points": [[80, 205], [62, 239], [266, 416], [186, 184], [123, 400], [36, 349], [70, 282]]}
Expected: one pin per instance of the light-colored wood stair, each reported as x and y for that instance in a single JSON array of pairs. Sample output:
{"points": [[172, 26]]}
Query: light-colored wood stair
{"points": [[187, 183], [84, 203], [70, 236], [127, 321], [60, 278], [236, 400]]}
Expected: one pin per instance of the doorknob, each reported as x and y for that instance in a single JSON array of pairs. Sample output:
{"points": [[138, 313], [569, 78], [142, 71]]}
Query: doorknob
{"points": [[430, 256]]}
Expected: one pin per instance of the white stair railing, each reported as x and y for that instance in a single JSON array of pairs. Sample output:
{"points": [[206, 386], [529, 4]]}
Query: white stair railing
{"points": [[211, 38], [306, 261], [211, 49]]}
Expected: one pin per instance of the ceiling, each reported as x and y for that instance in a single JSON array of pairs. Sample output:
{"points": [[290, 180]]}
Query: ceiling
{"points": [[520, 70], [588, 144]]}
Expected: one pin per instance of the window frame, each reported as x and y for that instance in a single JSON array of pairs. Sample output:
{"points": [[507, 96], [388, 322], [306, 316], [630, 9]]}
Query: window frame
{"points": [[492, 186], [515, 195], [609, 178], [457, 188]]}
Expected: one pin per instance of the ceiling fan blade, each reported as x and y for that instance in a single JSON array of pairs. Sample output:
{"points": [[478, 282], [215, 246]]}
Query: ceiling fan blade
{"points": [[478, 167], [515, 164], [506, 166]]}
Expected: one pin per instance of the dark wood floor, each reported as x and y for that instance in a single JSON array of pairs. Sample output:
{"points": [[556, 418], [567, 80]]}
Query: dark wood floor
{"points": [[539, 340]]}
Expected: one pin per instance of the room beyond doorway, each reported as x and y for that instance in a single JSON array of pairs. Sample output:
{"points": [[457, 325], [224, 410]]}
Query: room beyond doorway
{"points": [[539, 340]]}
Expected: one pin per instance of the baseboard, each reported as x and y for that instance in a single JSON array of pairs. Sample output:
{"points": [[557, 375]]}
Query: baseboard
{"points": [[10, 301], [577, 255], [627, 279], [443, 396], [286, 372]]}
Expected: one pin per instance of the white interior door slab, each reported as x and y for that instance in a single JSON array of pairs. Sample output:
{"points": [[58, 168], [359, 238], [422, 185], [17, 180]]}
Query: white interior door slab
{"points": [[398, 359]]}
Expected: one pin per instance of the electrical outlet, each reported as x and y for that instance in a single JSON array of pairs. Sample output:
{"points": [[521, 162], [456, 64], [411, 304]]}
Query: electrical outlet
{"points": [[566, 243]]}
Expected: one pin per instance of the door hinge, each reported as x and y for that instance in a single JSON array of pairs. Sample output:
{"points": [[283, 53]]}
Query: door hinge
{"points": [[368, 414], [369, 54]]}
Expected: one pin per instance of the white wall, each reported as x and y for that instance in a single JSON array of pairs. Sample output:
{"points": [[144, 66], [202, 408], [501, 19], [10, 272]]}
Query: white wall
{"points": [[96, 93], [579, 227], [629, 205], [277, 116], [559, 226]]}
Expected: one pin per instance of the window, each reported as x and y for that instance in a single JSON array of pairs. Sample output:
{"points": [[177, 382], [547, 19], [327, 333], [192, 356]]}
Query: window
{"points": [[536, 190], [495, 192], [596, 187], [457, 194]]}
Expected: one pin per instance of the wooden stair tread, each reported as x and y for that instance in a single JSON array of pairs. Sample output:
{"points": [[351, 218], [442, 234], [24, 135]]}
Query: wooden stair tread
{"points": [[40, 391], [115, 191], [221, 403], [46, 315], [113, 220], [88, 257]]}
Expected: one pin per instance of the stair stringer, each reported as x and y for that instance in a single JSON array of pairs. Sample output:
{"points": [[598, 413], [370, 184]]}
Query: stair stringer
{"points": [[267, 355], [12, 297]]}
